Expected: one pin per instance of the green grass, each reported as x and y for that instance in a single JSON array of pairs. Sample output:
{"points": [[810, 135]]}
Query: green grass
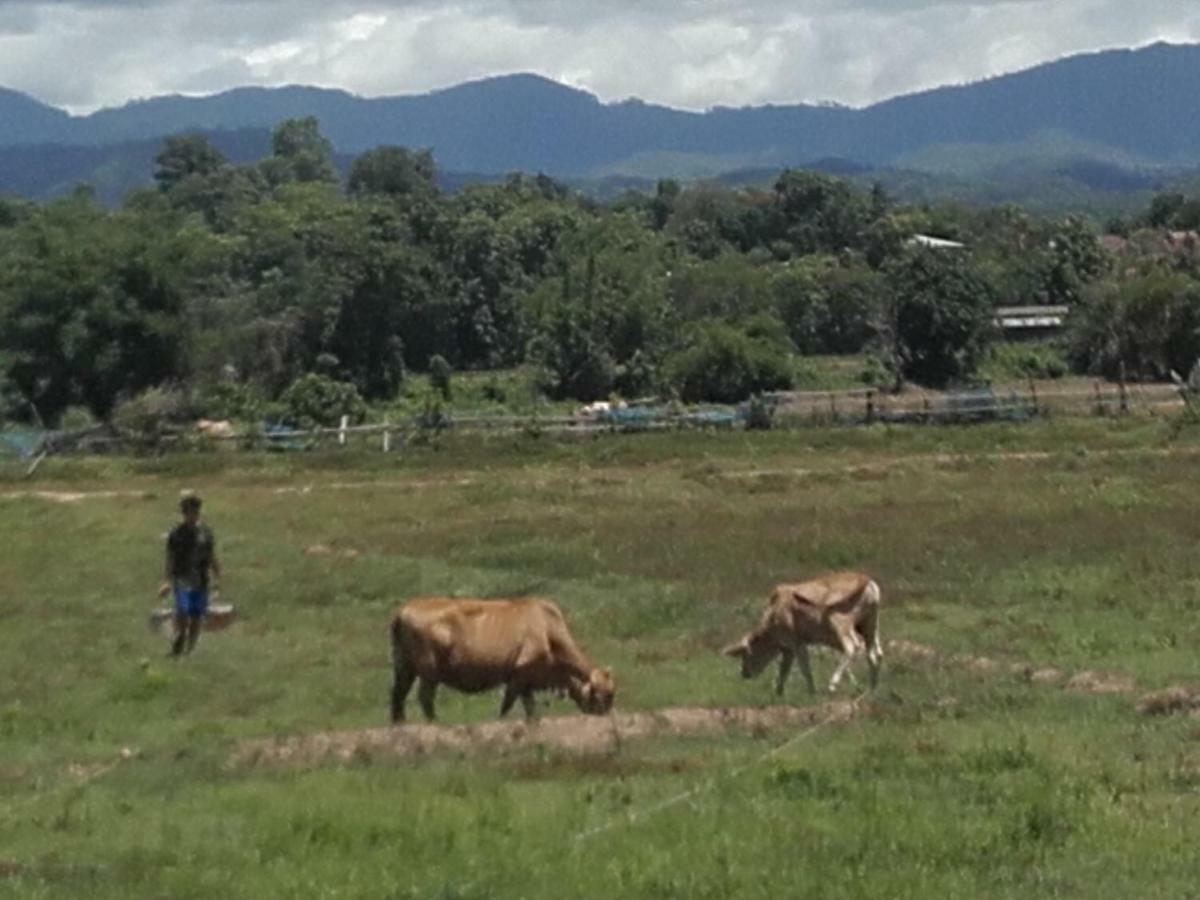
{"points": [[660, 548]]}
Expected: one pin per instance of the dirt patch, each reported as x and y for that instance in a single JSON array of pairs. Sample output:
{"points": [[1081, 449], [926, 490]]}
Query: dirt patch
{"points": [[571, 733], [348, 553], [1102, 683], [75, 496], [1173, 700], [592, 734], [1087, 681]]}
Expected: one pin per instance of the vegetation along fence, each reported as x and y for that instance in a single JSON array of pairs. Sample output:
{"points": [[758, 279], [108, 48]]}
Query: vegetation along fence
{"points": [[792, 409]]}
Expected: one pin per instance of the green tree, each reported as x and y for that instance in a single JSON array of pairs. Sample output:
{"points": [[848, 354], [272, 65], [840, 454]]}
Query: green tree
{"points": [[573, 355], [92, 307], [820, 213], [395, 172], [829, 304], [300, 153], [937, 323], [1148, 323], [723, 364], [186, 156]]}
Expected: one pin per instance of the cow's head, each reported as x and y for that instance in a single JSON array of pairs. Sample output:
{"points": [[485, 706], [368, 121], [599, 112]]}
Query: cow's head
{"points": [[755, 650], [595, 696]]}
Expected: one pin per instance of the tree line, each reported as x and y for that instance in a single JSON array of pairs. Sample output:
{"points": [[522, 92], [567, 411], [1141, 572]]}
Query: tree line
{"points": [[241, 283]]}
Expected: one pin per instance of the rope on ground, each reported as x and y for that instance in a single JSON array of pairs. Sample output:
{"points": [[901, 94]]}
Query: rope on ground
{"points": [[635, 816], [19, 806]]}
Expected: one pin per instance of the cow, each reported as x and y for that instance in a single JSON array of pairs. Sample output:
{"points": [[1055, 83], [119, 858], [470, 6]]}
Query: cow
{"points": [[839, 610], [475, 645], [216, 430]]}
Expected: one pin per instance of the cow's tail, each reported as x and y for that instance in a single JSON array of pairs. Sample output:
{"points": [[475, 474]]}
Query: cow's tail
{"points": [[403, 672], [868, 628]]}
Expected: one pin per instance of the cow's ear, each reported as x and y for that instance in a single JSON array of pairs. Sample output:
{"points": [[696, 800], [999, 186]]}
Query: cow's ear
{"points": [[607, 672], [738, 649]]}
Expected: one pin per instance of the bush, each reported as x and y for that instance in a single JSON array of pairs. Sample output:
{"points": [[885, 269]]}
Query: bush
{"points": [[574, 364], [726, 365], [439, 375], [760, 414], [1013, 361], [314, 400], [230, 400], [1150, 324], [76, 418], [148, 417], [636, 377], [494, 391]]}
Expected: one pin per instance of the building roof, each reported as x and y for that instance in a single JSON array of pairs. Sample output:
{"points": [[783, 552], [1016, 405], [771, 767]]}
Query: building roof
{"points": [[925, 240], [1018, 317]]}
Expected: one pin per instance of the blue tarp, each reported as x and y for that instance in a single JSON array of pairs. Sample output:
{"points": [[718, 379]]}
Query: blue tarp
{"points": [[281, 437], [711, 417], [25, 444], [634, 416]]}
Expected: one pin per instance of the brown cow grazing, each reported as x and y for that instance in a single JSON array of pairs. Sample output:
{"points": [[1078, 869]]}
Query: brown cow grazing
{"points": [[840, 610], [475, 645]]}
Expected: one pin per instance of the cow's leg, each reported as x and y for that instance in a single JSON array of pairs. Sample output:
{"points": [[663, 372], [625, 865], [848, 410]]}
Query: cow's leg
{"points": [[510, 697], [852, 646], [511, 693], [785, 666], [875, 661], [401, 685], [869, 629], [425, 695], [806, 667]]}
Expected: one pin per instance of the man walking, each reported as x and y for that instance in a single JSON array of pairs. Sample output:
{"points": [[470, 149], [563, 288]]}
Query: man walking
{"points": [[191, 555]]}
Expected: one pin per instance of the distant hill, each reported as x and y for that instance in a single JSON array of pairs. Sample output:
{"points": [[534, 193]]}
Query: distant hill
{"points": [[1115, 121], [24, 120]]}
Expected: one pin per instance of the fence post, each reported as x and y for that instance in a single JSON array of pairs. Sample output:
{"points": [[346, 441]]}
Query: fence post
{"points": [[387, 437], [1121, 384], [832, 407], [870, 407], [1033, 398], [1099, 401], [342, 431]]}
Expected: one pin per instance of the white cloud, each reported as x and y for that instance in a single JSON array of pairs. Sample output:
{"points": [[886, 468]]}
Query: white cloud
{"points": [[693, 54]]}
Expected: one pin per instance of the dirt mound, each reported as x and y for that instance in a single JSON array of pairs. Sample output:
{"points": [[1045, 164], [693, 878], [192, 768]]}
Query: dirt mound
{"points": [[1087, 681], [75, 496], [1102, 683], [573, 733], [1172, 700]]}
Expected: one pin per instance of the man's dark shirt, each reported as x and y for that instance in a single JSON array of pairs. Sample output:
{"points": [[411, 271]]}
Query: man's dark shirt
{"points": [[190, 552]]}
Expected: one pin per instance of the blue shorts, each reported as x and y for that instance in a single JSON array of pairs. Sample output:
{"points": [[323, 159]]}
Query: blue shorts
{"points": [[191, 602]]}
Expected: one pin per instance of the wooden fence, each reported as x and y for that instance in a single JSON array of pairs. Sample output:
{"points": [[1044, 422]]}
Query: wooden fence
{"points": [[791, 409], [1010, 403]]}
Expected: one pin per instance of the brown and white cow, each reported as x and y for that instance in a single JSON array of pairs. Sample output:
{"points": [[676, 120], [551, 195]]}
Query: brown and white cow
{"points": [[475, 645], [839, 610]]}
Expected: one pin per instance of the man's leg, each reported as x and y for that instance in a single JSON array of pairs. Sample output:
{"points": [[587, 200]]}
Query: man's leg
{"points": [[181, 633], [195, 623], [181, 622], [197, 610]]}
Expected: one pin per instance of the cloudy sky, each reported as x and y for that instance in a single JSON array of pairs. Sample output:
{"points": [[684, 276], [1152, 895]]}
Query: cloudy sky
{"points": [[82, 54]]}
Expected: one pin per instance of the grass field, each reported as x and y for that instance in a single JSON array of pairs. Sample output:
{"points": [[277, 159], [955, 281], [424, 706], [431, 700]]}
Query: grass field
{"points": [[1064, 543]]}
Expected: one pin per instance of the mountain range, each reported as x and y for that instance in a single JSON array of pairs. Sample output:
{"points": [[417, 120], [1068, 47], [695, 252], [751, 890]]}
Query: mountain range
{"points": [[1117, 121]]}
